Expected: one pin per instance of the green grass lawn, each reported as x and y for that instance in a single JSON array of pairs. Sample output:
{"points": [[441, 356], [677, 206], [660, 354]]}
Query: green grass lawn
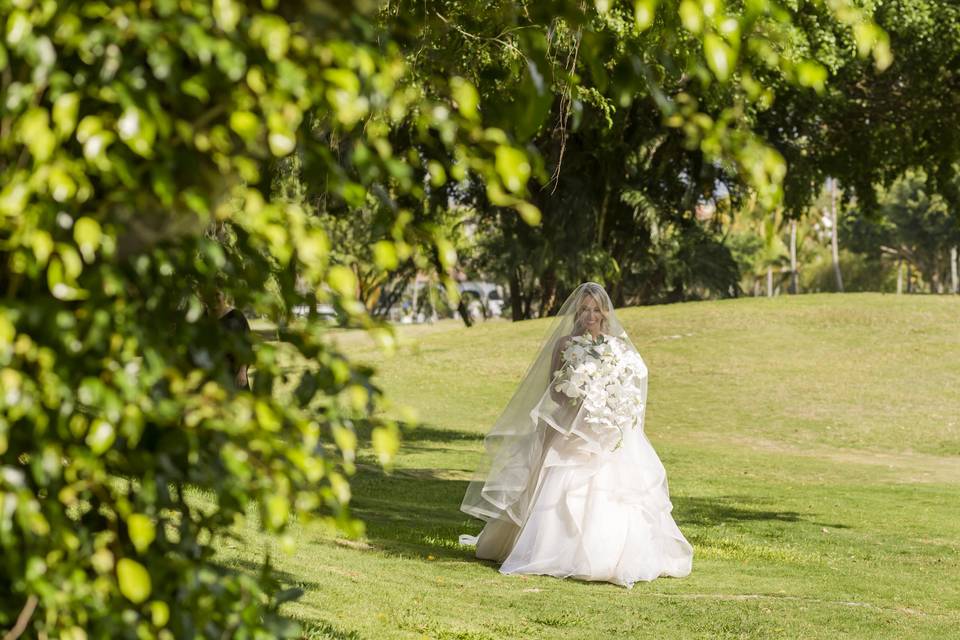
{"points": [[812, 445]]}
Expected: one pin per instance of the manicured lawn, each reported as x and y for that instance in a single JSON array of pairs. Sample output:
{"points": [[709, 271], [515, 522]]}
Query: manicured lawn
{"points": [[813, 450]]}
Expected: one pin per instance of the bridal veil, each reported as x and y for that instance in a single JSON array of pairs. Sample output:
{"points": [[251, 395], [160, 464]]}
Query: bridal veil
{"points": [[515, 445]]}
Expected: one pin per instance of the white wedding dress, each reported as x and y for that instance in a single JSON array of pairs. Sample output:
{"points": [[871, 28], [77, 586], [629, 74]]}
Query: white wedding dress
{"points": [[563, 498]]}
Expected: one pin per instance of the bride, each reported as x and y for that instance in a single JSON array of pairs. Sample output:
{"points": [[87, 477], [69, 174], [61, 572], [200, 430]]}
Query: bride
{"points": [[571, 486]]}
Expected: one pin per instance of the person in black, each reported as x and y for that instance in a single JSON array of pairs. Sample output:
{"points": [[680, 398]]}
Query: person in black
{"points": [[233, 320]]}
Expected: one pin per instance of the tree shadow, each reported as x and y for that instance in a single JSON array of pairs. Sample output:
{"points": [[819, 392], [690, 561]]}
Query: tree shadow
{"points": [[412, 512], [285, 578], [413, 433], [416, 513], [432, 434], [315, 629], [689, 510]]}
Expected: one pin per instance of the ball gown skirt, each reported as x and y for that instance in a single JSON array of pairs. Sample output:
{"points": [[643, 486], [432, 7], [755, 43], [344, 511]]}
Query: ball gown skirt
{"points": [[593, 512]]}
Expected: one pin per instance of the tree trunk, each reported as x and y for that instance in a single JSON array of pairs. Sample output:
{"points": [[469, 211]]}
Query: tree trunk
{"points": [[835, 232], [899, 275], [954, 281], [794, 276], [909, 277], [413, 306], [549, 294], [516, 300], [769, 282], [603, 210]]}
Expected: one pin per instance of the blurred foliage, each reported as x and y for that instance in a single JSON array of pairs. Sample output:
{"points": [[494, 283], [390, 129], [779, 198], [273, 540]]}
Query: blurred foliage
{"points": [[635, 114], [908, 227], [861, 272], [866, 128], [142, 163], [914, 226]]}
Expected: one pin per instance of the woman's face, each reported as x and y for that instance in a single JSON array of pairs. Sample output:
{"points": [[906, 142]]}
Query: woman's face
{"points": [[591, 317]]}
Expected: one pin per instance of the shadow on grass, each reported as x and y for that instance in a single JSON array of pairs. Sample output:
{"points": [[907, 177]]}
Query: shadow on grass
{"points": [[285, 578], [412, 512], [723, 509], [416, 513], [432, 434], [320, 630]]}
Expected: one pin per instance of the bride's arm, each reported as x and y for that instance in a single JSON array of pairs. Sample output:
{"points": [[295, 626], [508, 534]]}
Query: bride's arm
{"points": [[555, 364]]}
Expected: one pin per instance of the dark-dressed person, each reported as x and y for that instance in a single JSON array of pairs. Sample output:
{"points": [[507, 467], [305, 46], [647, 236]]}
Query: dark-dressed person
{"points": [[233, 320]]}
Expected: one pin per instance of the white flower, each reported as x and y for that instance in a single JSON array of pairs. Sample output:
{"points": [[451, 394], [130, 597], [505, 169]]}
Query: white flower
{"points": [[607, 377]]}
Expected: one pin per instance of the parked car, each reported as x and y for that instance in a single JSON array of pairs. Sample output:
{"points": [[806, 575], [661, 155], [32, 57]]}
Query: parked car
{"points": [[489, 295], [325, 311]]}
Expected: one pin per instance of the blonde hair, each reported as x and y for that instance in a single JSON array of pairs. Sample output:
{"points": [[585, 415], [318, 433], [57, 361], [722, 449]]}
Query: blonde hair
{"points": [[596, 292]]}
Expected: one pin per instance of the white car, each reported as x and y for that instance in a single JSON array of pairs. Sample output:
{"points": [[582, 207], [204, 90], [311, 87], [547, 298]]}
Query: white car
{"points": [[323, 310]]}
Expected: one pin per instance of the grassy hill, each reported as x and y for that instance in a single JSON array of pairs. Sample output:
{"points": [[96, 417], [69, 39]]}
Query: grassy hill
{"points": [[812, 445]]}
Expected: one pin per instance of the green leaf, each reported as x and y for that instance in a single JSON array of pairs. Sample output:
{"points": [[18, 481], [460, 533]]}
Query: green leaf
{"points": [[386, 443], [446, 253], [438, 175], [134, 580], [87, 234], [13, 198], [385, 255], [535, 102], [282, 143], [644, 12], [342, 280], [712, 8], [159, 613], [345, 439], [33, 130], [812, 74], [141, 530], [246, 125], [227, 14], [61, 285], [278, 511], [65, 110], [720, 57], [274, 35], [529, 213], [513, 167], [100, 437], [19, 27], [42, 244], [267, 417], [466, 97], [691, 16], [61, 185], [138, 130]]}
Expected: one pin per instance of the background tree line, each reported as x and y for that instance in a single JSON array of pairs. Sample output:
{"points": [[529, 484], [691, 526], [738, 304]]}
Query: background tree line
{"points": [[636, 188]]}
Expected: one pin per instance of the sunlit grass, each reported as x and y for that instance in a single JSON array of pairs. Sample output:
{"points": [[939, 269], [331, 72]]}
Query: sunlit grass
{"points": [[812, 447]]}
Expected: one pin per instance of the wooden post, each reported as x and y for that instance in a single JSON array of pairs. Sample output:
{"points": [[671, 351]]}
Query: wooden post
{"points": [[835, 232], [954, 281], [794, 278]]}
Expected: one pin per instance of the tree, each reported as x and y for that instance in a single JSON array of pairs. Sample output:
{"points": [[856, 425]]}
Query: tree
{"points": [[913, 225], [638, 112], [865, 128], [146, 156]]}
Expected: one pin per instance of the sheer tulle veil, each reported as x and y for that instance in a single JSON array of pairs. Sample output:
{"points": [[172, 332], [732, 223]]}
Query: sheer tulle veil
{"points": [[515, 444]]}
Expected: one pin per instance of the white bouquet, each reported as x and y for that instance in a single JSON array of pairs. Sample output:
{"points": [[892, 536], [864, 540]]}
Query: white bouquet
{"points": [[606, 376]]}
